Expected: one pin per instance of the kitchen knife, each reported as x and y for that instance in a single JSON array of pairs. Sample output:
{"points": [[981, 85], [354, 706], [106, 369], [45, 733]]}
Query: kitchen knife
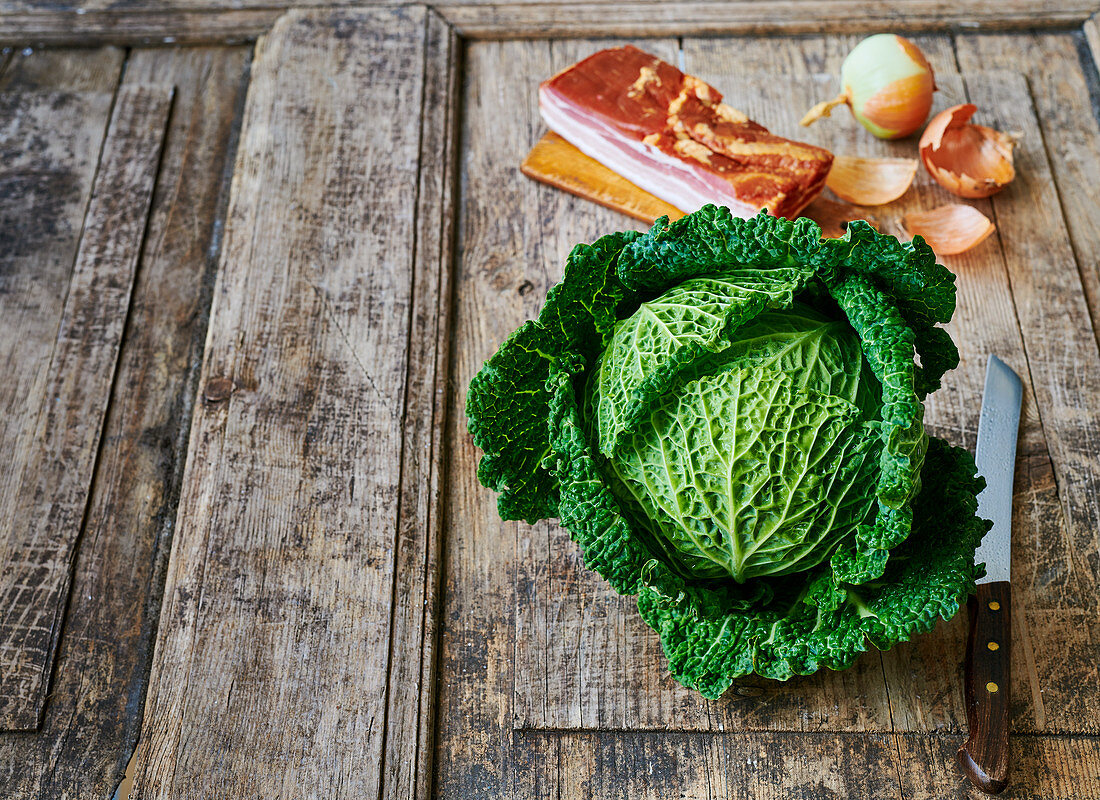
{"points": [[984, 757]]}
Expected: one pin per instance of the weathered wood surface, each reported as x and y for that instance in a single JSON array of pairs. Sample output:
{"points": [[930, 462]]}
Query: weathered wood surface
{"points": [[325, 498], [537, 20], [153, 24], [43, 522], [1069, 129], [201, 21], [53, 129], [778, 766], [553, 648], [407, 768], [279, 631], [93, 715]]}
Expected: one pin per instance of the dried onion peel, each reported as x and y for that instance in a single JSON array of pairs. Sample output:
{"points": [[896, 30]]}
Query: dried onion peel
{"points": [[950, 229], [967, 160], [870, 181]]}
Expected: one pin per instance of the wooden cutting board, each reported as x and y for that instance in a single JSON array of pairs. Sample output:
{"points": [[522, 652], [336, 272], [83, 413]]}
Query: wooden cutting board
{"points": [[556, 162]]}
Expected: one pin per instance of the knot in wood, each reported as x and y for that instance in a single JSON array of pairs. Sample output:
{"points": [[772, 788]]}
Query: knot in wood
{"points": [[217, 389]]}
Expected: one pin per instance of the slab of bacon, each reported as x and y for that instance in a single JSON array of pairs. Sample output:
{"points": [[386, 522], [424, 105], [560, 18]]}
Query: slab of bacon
{"points": [[671, 134]]}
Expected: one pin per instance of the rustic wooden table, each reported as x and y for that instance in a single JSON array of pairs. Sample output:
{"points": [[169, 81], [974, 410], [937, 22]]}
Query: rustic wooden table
{"points": [[243, 286]]}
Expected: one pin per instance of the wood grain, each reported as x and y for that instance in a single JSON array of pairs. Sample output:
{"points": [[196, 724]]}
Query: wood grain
{"points": [[1091, 32], [1064, 653], [91, 721], [274, 650], [1064, 364], [136, 25], [204, 21], [1069, 127], [91, 70], [40, 530], [415, 622], [52, 133], [769, 766], [545, 20]]}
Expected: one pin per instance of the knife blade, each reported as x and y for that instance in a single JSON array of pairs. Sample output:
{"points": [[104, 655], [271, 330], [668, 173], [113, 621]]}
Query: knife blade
{"points": [[985, 755]]}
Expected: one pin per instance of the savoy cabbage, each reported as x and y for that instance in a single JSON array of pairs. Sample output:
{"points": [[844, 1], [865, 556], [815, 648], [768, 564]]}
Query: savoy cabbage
{"points": [[727, 415]]}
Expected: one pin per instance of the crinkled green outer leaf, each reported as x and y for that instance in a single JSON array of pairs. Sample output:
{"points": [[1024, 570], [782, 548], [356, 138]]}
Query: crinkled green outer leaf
{"points": [[535, 410], [507, 406], [712, 238]]}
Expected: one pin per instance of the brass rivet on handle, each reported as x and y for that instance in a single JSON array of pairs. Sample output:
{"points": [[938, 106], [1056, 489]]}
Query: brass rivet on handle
{"points": [[992, 645], [994, 605], [991, 687]]}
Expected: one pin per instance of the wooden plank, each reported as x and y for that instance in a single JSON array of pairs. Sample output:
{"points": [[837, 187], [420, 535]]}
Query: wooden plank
{"points": [[415, 622], [55, 111], [271, 665], [76, 70], [1064, 365], [91, 722], [556, 162], [809, 55], [1043, 768], [548, 20], [1060, 88], [154, 24], [40, 530], [1091, 30], [203, 21], [774, 766]]}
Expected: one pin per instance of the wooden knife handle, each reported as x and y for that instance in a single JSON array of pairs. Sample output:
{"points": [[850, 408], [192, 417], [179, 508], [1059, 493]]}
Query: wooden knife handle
{"points": [[987, 685]]}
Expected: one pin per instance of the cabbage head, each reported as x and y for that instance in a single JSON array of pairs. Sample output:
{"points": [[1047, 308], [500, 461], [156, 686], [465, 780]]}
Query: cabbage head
{"points": [[727, 415]]}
